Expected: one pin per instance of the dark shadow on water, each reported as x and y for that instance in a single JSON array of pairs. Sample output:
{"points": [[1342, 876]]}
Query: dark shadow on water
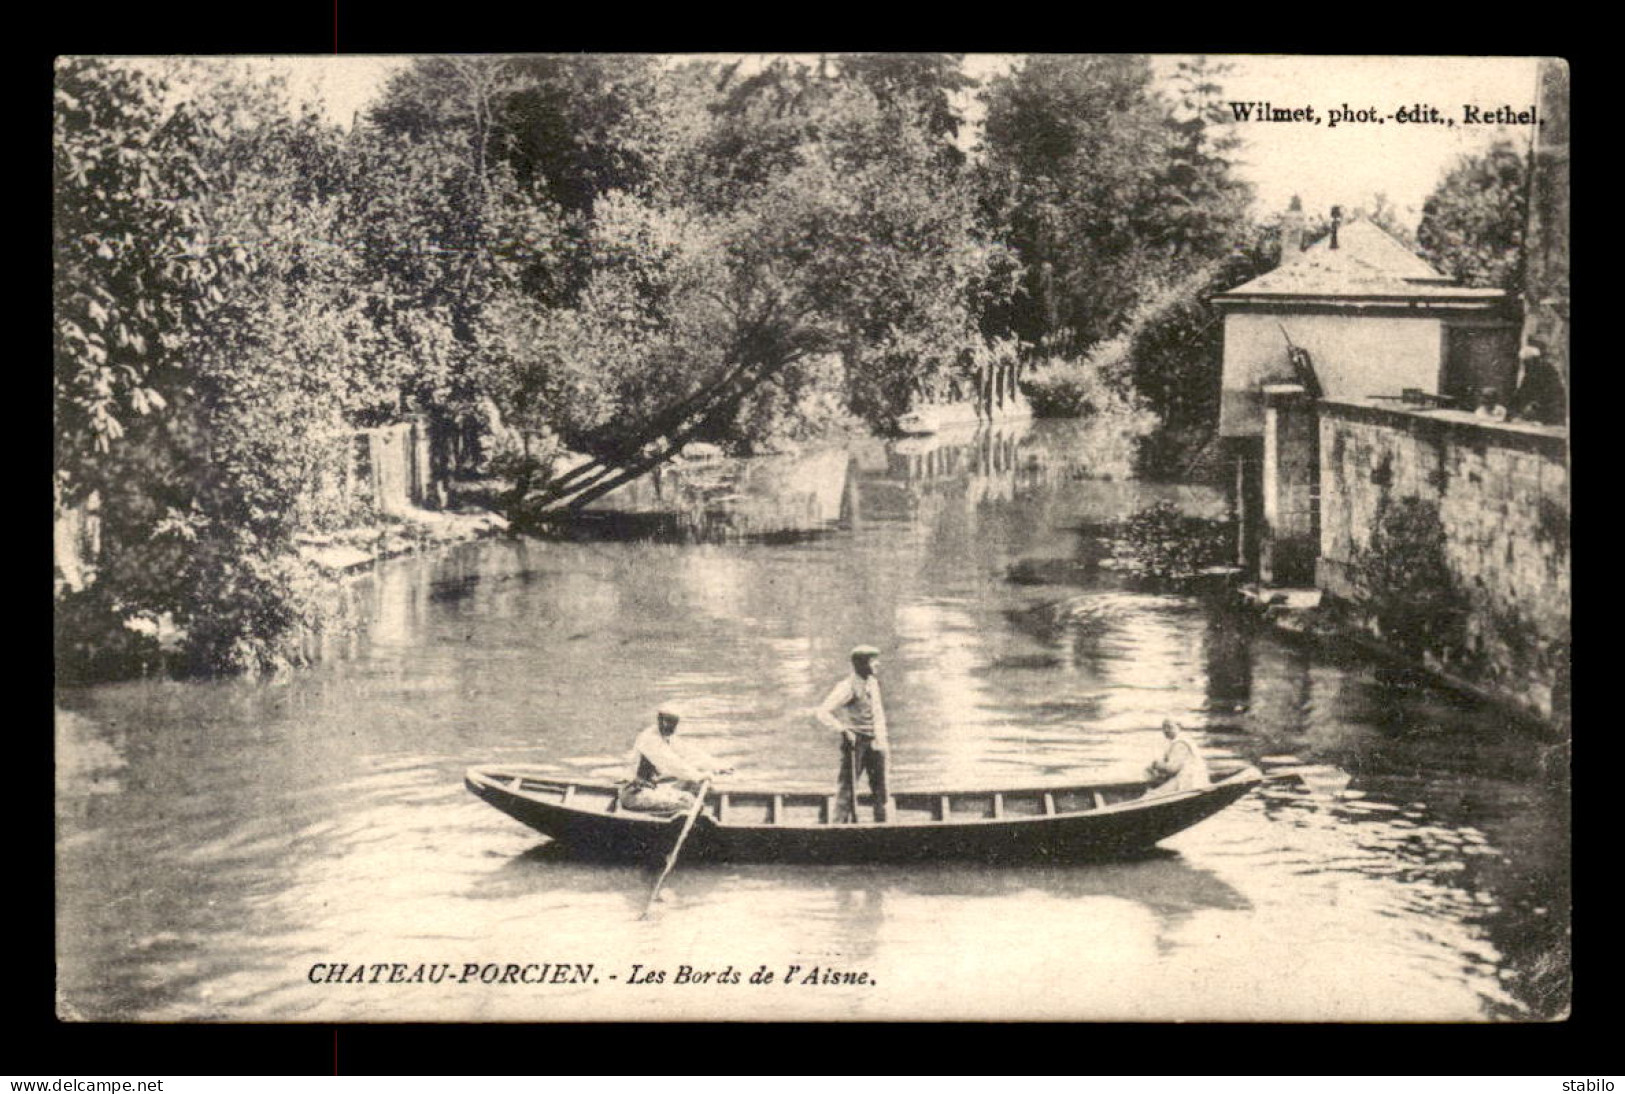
{"points": [[1084, 709], [682, 528], [1029, 661], [1082, 569]]}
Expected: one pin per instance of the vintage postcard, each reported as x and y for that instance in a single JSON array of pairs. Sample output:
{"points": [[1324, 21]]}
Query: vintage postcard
{"points": [[852, 536]]}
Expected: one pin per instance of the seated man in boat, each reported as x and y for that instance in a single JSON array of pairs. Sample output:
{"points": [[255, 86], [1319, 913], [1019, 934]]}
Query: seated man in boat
{"points": [[1180, 767], [853, 710], [666, 776]]}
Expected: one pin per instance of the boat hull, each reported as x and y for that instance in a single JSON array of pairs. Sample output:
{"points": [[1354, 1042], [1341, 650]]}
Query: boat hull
{"points": [[1105, 831], [938, 417]]}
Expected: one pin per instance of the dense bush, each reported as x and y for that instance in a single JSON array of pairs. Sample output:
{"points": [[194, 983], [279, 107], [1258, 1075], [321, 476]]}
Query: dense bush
{"points": [[1075, 387], [1413, 593], [1159, 541]]}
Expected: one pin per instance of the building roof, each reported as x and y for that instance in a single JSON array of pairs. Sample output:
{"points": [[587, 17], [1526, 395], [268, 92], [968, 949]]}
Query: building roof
{"points": [[1367, 264]]}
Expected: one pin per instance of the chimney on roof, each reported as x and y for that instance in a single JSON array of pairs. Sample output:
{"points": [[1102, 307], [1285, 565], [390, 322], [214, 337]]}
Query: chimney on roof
{"points": [[1292, 231], [1337, 218]]}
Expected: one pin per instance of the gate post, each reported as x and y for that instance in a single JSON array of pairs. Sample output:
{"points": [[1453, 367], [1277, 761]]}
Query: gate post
{"points": [[1291, 539]]}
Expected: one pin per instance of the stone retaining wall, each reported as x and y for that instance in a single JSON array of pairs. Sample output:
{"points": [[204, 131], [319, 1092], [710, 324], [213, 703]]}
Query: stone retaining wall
{"points": [[1501, 493]]}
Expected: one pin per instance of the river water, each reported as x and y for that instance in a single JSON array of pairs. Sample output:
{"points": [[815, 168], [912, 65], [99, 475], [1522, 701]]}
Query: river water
{"points": [[218, 841]]}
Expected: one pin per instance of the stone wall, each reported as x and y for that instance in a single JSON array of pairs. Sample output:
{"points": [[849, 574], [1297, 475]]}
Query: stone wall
{"points": [[1289, 542], [395, 467], [1500, 491]]}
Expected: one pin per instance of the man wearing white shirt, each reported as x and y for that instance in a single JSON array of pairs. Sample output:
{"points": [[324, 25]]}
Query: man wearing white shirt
{"points": [[853, 709], [665, 777], [1180, 767]]}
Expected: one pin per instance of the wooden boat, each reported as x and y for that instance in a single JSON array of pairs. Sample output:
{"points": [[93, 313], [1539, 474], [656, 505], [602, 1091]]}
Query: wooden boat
{"points": [[936, 417], [1031, 822], [929, 418]]}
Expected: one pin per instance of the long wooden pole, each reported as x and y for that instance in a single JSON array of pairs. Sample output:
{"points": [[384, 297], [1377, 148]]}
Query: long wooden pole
{"points": [[671, 859], [852, 774]]}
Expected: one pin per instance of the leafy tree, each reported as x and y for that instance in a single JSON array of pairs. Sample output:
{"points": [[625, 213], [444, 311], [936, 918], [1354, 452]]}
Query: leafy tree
{"points": [[260, 347], [871, 234], [756, 126], [447, 231], [1109, 187], [1123, 202], [577, 127], [1074, 144], [1382, 212], [1160, 542], [123, 286], [1473, 223], [572, 245], [1204, 205], [931, 82], [1173, 341]]}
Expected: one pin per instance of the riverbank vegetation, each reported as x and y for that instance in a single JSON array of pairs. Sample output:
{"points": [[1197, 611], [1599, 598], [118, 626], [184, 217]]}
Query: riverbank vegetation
{"points": [[1165, 545], [537, 256]]}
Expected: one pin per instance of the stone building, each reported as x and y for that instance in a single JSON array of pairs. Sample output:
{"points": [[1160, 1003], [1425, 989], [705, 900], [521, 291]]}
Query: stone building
{"points": [[1356, 314], [1368, 461]]}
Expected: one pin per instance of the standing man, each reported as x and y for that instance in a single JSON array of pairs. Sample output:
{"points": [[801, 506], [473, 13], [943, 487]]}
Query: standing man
{"points": [[854, 711], [665, 778]]}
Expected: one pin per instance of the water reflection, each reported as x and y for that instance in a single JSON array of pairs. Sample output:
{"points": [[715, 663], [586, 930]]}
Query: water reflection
{"points": [[776, 499], [878, 920], [217, 838]]}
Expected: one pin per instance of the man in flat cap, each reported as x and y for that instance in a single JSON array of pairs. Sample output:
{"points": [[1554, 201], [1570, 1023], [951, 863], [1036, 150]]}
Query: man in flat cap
{"points": [[665, 776], [853, 710]]}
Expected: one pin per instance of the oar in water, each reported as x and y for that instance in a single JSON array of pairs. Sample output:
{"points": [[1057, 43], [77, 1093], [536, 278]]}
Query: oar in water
{"points": [[671, 859]]}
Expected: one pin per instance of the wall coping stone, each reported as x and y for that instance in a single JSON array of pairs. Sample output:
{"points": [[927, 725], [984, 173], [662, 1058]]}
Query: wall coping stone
{"points": [[1550, 441], [1279, 394]]}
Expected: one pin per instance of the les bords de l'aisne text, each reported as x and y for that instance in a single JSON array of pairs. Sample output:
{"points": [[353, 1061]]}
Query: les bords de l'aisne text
{"points": [[571, 973]]}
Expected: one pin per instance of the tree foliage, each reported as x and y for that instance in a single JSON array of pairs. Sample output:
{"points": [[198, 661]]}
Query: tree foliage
{"points": [[568, 246], [1473, 223], [1107, 185], [241, 343], [1160, 542], [125, 282]]}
